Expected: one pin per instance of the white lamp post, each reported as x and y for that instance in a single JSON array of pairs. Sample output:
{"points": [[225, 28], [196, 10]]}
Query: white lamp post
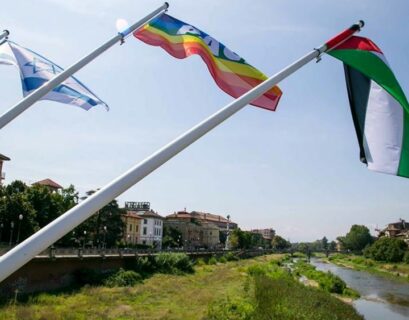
{"points": [[20, 218]]}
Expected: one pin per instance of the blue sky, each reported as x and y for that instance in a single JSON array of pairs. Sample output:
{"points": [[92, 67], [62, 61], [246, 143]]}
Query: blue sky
{"points": [[296, 170]]}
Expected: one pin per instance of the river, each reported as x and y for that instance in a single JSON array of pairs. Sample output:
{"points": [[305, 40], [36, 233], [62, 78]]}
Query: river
{"points": [[381, 298]]}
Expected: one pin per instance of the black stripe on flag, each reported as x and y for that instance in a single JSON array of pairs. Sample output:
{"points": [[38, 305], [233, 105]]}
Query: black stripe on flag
{"points": [[358, 86]]}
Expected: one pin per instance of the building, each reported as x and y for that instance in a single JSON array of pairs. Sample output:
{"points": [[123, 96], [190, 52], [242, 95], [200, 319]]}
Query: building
{"points": [[132, 227], [268, 234], [143, 225], [200, 229], [398, 229], [52, 185], [151, 231], [2, 174], [195, 234], [217, 220]]}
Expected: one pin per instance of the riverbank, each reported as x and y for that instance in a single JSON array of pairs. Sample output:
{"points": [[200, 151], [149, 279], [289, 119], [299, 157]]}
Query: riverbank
{"points": [[398, 271], [382, 297], [327, 281], [245, 289]]}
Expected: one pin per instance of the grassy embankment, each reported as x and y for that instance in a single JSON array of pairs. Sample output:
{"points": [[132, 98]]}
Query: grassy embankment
{"points": [[325, 280], [247, 289], [396, 270]]}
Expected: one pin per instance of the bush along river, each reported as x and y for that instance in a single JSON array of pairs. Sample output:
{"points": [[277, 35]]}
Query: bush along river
{"points": [[381, 298]]}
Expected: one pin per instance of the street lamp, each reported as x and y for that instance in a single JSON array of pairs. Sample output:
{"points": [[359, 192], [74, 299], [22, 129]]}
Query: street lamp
{"points": [[20, 218], [226, 247], [105, 234], [11, 232], [85, 236], [74, 240]]}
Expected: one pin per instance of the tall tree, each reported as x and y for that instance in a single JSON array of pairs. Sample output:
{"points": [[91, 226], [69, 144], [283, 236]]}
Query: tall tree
{"points": [[357, 238], [279, 243], [171, 237], [14, 205], [324, 243]]}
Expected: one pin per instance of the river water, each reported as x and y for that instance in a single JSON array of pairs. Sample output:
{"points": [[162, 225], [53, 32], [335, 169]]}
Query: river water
{"points": [[381, 298]]}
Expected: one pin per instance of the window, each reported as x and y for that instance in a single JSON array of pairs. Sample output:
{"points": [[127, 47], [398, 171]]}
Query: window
{"points": [[145, 221], [130, 227], [144, 230]]}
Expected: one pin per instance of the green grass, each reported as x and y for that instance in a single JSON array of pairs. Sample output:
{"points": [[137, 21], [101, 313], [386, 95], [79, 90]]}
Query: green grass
{"points": [[394, 270], [326, 280], [191, 296], [273, 293]]}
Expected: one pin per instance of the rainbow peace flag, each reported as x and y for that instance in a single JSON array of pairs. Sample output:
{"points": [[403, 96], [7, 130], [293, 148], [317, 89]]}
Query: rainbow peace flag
{"points": [[231, 72]]}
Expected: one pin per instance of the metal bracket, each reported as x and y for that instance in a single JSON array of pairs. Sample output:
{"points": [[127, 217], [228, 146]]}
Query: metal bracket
{"points": [[122, 41], [319, 57]]}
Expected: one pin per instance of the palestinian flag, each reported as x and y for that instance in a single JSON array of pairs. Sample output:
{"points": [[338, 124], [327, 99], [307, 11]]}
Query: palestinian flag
{"points": [[380, 110]]}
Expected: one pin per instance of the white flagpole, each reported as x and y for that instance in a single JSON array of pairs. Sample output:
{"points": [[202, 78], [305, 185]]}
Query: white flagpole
{"points": [[29, 248], [28, 101]]}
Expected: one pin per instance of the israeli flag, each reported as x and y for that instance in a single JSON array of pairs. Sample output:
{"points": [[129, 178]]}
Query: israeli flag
{"points": [[36, 70]]}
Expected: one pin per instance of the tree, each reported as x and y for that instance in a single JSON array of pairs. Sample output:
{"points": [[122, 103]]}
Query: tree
{"points": [[48, 204], [303, 247], [387, 249], [357, 238], [13, 203], [324, 243], [332, 246], [240, 239], [171, 237], [104, 227], [279, 243]]}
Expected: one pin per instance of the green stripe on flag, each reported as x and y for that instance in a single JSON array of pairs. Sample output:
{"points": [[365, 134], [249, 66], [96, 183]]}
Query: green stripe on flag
{"points": [[374, 68], [403, 169]]}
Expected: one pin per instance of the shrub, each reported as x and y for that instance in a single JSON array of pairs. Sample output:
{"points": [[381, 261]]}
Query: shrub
{"points": [[92, 276], [232, 309], [386, 249], [406, 257], [230, 256], [123, 278], [173, 263], [144, 265], [200, 262], [332, 283], [326, 280], [351, 293], [212, 260], [222, 259]]}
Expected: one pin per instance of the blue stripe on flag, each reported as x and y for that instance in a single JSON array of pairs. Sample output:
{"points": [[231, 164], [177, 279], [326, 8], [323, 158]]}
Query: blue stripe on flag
{"points": [[33, 83]]}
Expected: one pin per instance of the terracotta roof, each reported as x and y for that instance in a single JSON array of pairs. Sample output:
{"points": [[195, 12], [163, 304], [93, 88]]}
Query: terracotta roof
{"points": [[200, 216], [48, 183], [181, 215], [4, 158], [132, 214], [149, 214]]}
